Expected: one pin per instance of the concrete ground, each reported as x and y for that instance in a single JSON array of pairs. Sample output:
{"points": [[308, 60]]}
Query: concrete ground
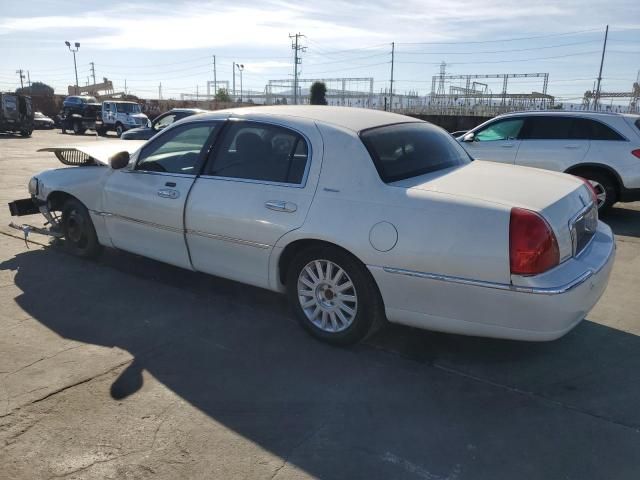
{"points": [[125, 368]]}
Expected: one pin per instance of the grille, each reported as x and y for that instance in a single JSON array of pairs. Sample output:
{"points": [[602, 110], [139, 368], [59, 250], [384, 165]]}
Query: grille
{"points": [[74, 157], [583, 228]]}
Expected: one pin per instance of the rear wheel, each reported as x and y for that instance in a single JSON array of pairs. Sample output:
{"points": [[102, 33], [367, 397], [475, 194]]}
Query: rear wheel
{"points": [[119, 130], [79, 233], [605, 187], [26, 133], [333, 296]]}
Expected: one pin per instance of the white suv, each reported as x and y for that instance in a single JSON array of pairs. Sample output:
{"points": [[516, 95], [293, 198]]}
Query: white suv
{"points": [[602, 147]]}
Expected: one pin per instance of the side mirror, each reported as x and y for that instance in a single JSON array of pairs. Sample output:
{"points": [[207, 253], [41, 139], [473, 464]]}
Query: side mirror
{"points": [[119, 160], [468, 137]]}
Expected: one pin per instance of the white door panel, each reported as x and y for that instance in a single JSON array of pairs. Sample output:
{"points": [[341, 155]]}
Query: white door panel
{"points": [[555, 155], [233, 220], [145, 214], [231, 228]]}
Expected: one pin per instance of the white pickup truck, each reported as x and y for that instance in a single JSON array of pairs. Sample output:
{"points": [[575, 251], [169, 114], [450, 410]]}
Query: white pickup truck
{"points": [[120, 116]]}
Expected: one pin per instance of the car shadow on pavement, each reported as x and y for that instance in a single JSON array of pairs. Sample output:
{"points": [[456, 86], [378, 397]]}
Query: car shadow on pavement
{"points": [[406, 404], [623, 221]]}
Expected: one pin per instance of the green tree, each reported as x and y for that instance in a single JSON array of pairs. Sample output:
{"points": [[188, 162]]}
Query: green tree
{"points": [[37, 88], [318, 94], [222, 95]]}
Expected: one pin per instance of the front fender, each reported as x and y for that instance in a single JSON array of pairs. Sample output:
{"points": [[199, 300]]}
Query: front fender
{"points": [[84, 183]]}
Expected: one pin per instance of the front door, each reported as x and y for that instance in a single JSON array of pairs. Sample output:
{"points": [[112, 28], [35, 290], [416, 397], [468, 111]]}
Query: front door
{"points": [[144, 203], [257, 186], [497, 141]]}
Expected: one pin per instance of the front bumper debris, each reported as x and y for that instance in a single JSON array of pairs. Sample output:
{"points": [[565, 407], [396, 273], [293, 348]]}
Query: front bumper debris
{"points": [[31, 206]]}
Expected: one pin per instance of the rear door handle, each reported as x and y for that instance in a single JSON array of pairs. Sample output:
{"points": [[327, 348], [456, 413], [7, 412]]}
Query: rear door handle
{"points": [[168, 193], [281, 206], [572, 146], [507, 145]]}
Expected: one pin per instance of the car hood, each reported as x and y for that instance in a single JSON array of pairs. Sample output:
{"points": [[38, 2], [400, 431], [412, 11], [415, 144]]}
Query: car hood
{"points": [[93, 153], [509, 185]]}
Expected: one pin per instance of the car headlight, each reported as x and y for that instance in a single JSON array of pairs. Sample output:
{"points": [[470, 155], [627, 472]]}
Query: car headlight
{"points": [[33, 186]]}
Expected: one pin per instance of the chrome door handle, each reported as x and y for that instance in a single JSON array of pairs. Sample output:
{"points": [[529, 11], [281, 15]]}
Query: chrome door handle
{"points": [[572, 146], [281, 206], [507, 145], [168, 193]]}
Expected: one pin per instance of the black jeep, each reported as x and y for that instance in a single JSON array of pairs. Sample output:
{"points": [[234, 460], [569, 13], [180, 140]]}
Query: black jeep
{"points": [[80, 113]]}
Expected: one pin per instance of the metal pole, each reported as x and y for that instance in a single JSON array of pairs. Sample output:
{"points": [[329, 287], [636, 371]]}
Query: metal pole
{"points": [[75, 67], [234, 80], [241, 84], [604, 48], [215, 80], [19, 72], [295, 73], [29, 80], [393, 51]]}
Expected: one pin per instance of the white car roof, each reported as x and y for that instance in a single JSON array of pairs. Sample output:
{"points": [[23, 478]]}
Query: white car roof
{"points": [[356, 119], [570, 113]]}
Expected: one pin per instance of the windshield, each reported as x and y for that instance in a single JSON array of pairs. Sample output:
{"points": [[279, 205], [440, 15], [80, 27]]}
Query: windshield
{"points": [[128, 107], [88, 100], [410, 149]]}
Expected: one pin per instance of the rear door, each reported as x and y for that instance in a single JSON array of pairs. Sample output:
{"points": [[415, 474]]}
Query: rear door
{"points": [[497, 141], [553, 142], [257, 186], [144, 205]]}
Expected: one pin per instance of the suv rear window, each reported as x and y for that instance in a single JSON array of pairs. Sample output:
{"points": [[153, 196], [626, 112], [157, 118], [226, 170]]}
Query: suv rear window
{"points": [[407, 150]]}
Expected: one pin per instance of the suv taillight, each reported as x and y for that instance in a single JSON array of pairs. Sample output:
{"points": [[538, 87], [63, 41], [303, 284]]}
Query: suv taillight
{"points": [[636, 152], [533, 247]]}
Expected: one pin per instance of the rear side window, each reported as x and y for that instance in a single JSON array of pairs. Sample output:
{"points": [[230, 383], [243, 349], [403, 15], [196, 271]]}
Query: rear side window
{"points": [[599, 131], [507, 129], [261, 152], [548, 128], [410, 149]]}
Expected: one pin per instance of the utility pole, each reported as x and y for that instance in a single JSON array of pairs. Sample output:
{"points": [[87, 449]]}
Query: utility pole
{"points": [[215, 80], [93, 72], [75, 65], [125, 86], [160, 91], [19, 72], [234, 81], [604, 48], [29, 80], [393, 52], [295, 45]]}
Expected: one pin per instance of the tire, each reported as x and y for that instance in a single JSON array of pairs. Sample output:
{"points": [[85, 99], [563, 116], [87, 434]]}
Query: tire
{"points": [[321, 311], [80, 237], [101, 131], [605, 188], [119, 130], [26, 133], [77, 128]]}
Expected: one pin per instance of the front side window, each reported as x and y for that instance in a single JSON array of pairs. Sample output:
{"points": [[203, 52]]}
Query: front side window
{"points": [[501, 130], [177, 151], [255, 151], [410, 149]]}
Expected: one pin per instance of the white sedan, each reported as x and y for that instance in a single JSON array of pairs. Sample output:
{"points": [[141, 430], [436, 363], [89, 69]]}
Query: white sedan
{"points": [[357, 215]]}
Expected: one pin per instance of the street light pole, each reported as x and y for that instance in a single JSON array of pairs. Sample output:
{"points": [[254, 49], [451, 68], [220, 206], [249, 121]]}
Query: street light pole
{"points": [[240, 69], [75, 66]]}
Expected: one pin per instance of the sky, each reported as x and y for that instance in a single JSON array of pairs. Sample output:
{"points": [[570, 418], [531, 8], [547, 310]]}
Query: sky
{"points": [[171, 42]]}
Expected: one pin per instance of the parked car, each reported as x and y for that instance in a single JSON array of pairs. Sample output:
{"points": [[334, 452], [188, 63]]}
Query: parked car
{"points": [[80, 113], [160, 122], [119, 116], [16, 114], [357, 215], [42, 121], [602, 147]]}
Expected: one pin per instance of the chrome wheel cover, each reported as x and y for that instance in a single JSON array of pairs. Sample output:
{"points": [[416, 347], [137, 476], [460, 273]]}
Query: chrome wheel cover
{"points": [[601, 193], [327, 296]]}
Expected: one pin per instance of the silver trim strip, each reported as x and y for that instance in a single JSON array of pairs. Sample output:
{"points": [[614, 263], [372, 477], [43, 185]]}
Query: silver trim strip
{"points": [[499, 286], [228, 239], [181, 231]]}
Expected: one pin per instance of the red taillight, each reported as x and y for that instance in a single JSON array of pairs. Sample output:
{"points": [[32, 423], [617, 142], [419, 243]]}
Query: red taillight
{"points": [[533, 247], [636, 152]]}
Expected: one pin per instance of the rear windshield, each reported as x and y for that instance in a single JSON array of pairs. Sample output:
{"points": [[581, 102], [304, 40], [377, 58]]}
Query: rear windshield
{"points": [[407, 150]]}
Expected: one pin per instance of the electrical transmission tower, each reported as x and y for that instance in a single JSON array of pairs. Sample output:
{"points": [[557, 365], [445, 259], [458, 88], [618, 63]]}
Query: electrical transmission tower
{"points": [[21, 74], [93, 72], [295, 45]]}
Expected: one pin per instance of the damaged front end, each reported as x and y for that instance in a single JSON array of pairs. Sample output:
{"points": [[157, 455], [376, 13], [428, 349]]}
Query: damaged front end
{"points": [[32, 206]]}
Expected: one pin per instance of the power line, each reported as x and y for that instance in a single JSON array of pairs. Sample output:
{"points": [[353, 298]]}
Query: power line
{"points": [[578, 32], [509, 61], [501, 51]]}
